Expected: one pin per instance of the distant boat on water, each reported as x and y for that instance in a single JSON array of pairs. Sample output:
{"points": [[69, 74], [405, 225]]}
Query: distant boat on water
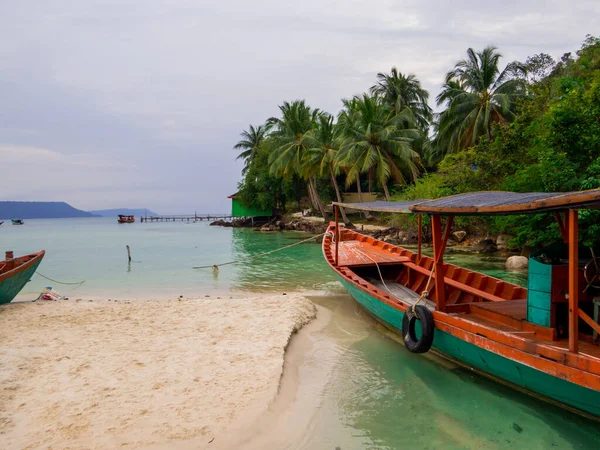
{"points": [[16, 272], [1, 222], [17, 221], [125, 219]]}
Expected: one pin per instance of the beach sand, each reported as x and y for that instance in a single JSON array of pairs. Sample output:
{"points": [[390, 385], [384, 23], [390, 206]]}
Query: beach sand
{"points": [[154, 374]]}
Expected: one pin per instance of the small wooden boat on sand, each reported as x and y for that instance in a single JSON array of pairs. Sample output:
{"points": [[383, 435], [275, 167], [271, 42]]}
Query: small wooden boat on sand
{"points": [[542, 340], [16, 272], [125, 219]]}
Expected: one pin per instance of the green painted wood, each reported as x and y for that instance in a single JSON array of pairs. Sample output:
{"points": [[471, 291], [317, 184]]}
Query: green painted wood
{"points": [[11, 287], [238, 210], [541, 283], [537, 299], [538, 316], [538, 268], [533, 380]]}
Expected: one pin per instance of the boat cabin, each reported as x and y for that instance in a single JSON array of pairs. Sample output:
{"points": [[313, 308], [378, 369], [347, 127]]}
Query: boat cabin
{"points": [[548, 287]]}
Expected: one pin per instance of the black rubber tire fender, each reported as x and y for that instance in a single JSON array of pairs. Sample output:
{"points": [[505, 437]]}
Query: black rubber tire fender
{"points": [[422, 344]]}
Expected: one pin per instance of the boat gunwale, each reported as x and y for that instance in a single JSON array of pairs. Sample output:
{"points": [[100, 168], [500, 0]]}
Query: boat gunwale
{"points": [[36, 257]]}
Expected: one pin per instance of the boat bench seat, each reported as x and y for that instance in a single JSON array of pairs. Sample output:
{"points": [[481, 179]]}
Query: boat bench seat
{"points": [[360, 254]]}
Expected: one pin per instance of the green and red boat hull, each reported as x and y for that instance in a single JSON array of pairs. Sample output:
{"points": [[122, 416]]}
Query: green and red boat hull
{"points": [[12, 281], [521, 376]]}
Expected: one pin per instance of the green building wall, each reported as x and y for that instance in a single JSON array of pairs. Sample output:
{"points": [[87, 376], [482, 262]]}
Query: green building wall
{"points": [[237, 210]]}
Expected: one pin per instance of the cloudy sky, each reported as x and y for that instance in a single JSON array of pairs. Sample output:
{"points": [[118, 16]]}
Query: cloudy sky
{"points": [[138, 103]]}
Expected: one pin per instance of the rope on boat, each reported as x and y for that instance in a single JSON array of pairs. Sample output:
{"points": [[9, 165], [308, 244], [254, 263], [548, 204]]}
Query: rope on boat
{"points": [[79, 283], [260, 254], [425, 292], [376, 265]]}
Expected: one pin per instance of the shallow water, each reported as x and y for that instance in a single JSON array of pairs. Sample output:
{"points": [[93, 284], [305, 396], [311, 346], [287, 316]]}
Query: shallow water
{"points": [[377, 394], [163, 254], [384, 397]]}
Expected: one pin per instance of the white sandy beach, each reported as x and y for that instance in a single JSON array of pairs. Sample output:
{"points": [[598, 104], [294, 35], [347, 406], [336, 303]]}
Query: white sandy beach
{"points": [[158, 374]]}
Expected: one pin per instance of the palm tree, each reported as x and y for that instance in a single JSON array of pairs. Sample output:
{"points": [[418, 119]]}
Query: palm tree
{"points": [[250, 144], [378, 140], [322, 153], [477, 95], [404, 91], [291, 132]]}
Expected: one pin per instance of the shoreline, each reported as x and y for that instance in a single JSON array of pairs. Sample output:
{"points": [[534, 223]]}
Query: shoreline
{"points": [[154, 373]]}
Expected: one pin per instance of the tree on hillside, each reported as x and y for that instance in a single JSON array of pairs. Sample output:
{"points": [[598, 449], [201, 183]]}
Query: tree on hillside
{"points": [[477, 95], [289, 158], [250, 144], [404, 91], [379, 140]]}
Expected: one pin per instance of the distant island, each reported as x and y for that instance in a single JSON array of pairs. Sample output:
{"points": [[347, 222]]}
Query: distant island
{"points": [[125, 211], [39, 210]]}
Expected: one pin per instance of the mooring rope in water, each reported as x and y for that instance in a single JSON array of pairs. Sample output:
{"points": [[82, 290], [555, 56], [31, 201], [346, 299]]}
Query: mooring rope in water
{"points": [[260, 254], [79, 283]]}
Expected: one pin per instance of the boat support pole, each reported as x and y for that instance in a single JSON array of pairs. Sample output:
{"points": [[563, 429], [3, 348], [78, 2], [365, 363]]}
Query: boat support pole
{"points": [[439, 245], [419, 236], [573, 280], [337, 233]]}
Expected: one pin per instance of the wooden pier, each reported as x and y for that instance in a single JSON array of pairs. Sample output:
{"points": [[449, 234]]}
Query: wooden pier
{"points": [[194, 218]]}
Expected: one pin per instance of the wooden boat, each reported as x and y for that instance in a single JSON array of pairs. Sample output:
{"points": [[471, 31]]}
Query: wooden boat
{"points": [[17, 221], [16, 272], [542, 340], [125, 219], [1, 222]]}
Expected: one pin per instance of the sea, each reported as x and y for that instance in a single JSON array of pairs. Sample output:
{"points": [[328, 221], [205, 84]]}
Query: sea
{"points": [[378, 395]]}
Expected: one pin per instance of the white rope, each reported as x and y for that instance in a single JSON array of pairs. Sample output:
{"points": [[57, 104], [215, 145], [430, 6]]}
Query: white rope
{"points": [[260, 254], [376, 265], [425, 292]]}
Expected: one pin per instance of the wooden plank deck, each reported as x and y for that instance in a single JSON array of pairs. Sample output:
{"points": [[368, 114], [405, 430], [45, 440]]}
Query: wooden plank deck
{"points": [[357, 254], [517, 309]]}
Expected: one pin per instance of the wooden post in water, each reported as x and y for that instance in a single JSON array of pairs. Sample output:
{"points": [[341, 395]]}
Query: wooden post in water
{"points": [[573, 280], [128, 253]]}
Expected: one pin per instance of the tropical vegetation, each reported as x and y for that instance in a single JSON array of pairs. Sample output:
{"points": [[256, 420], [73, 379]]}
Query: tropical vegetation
{"points": [[524, 126]]}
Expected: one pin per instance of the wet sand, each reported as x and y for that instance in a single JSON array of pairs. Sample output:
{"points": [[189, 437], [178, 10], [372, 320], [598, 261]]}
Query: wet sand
{"points": [[156, 374]]}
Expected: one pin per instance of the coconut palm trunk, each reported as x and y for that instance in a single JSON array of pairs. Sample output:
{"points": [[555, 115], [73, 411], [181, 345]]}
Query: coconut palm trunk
{"points": [[385, 190], [360, 198], [337, 193], [312, 185]]}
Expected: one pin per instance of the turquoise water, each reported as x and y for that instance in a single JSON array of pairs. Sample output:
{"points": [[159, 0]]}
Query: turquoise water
{"points": [[379, 397], [163, 255]]}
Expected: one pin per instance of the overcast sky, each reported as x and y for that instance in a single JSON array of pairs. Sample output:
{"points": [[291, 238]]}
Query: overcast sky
{"points": [[107, 104]]}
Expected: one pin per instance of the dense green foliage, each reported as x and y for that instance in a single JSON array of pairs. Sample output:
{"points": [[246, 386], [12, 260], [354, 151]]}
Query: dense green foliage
{"points": [[532, 126]]}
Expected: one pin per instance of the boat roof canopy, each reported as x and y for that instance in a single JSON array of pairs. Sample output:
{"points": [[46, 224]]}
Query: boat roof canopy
{"points": [[381, 206], [488, 203]]}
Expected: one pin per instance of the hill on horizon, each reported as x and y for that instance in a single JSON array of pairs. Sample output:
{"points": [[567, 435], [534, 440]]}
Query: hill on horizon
{"points": [[39, 210], [125, 211]]}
